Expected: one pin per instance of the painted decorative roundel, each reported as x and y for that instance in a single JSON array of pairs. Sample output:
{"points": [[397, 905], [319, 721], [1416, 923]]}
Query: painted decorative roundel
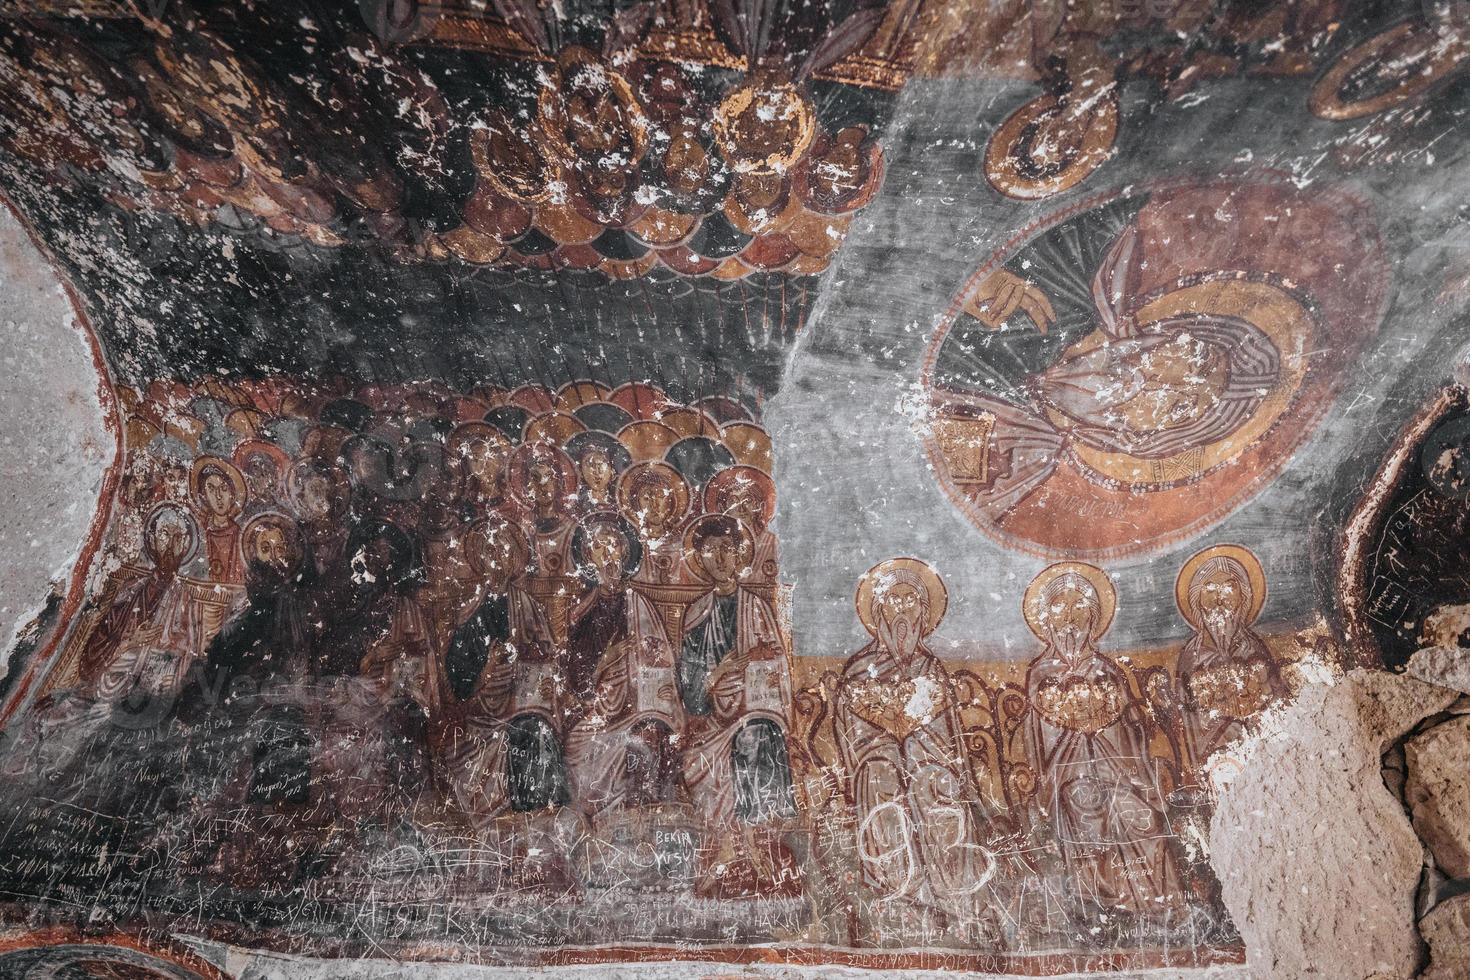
{"points": [[1128, 372]]}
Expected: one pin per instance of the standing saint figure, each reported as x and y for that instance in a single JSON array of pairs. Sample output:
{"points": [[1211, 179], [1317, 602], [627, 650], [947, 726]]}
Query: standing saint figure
{"points": [[1226, 673], [620, 672], [476, 677], [219, 497], [922, 822], [735, 686], [1097, 784]]}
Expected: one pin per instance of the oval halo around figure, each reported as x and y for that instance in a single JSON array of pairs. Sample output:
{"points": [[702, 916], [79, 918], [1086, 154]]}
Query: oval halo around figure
{"points": [[1146, 363], [894, 571], [1050, 145], [1033, 602], [1394, 68]]}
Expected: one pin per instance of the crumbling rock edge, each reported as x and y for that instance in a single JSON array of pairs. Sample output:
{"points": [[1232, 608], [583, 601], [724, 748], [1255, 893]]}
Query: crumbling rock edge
{"points": [[1314, 836]]}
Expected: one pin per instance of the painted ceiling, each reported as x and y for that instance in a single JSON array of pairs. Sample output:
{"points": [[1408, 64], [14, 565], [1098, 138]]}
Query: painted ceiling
{"points": [[814, 482]]}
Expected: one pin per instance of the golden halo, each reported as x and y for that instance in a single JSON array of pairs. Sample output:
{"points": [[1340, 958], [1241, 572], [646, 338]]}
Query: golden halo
{"points": [[231, 473], [554, 428], [747, 545], [647, 440], [658, 474], [781, 102], [1247, 559], [1092, 133], [1107, 595], [552, 111], [1428, 59], [933, 585]]}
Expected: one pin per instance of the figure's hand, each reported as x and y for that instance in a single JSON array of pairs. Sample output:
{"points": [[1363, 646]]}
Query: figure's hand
{"points": [[727, 682], [377, 663], [1002, 293]]}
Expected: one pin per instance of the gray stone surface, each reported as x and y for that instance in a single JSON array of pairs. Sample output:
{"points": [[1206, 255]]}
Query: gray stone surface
{"points": [[54, 447], [1444, 665], [1317, 860]]}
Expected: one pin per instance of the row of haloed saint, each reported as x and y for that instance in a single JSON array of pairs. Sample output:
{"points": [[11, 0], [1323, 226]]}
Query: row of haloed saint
{"points": [[1087, 774], [547, 626]]}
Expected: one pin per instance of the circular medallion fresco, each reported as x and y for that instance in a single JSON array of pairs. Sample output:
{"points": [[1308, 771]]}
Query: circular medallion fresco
{"points": [[1126, 373], [1403, 583]]}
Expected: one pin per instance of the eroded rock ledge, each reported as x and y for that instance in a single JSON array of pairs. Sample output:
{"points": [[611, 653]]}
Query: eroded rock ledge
{"points": [[1343, 845]]}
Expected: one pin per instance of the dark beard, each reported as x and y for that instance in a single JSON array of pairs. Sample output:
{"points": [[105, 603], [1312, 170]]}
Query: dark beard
{"points": [[904, 647], [1069, 643]]}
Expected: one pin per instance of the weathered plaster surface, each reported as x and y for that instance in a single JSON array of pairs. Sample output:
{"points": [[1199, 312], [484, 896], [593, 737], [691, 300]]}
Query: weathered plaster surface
{"points": [[54, 446], [1322, 880]]}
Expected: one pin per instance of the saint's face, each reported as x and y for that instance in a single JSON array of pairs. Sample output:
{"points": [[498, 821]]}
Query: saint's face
{"points": [[167, 540], [499, 559], [176, 481], [747, 504], [373, 561], [261, 476], [543, 485], [1177, 383], [901, 608], [606, 549], [1220, 593], [139, 486], [720, 556], [655, 504], [316, 499], [219, 494], [486, 463], [1068, 617], [1221, 602], [597, 471], [275, 550]]}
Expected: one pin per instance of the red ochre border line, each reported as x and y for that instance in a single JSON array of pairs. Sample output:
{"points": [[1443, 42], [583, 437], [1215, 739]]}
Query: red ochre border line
{"points": [[1022, 964], [40, 660], [1039, 964]]}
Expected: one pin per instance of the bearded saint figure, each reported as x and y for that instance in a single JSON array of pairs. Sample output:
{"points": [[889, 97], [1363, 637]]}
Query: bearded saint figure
{"points": [[148, 637], [1226, 673], [921, 820], [1096, 782], [1150, 391]]}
